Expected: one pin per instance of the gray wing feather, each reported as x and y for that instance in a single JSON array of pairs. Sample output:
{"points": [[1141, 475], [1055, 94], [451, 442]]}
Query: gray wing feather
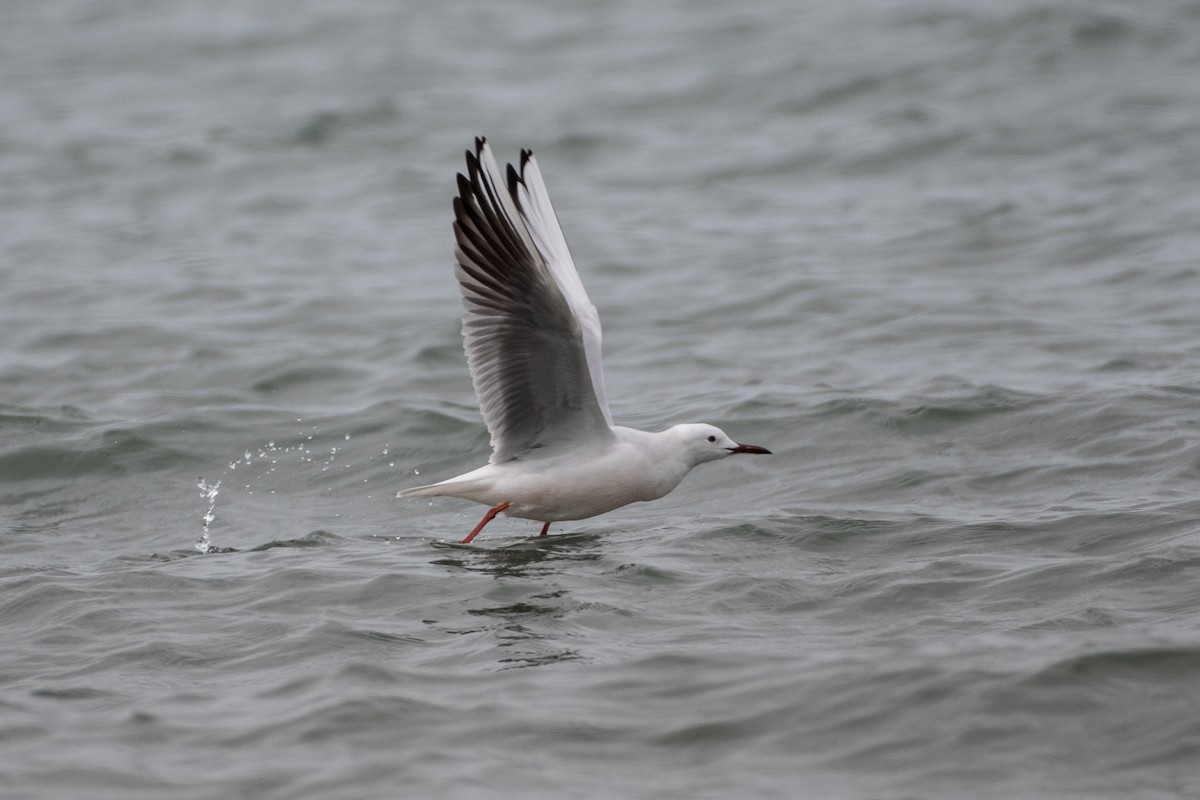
{"points": [[526, 344]]}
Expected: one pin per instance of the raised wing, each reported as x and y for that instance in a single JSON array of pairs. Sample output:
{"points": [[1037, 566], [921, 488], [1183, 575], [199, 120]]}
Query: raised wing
{"points": [[531, 335]]}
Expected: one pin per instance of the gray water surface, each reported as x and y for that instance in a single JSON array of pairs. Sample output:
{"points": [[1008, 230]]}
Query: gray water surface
{"points": [[941, 258]]}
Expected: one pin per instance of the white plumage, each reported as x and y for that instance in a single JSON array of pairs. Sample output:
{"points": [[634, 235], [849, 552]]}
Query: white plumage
{"points": [[532, 339]]}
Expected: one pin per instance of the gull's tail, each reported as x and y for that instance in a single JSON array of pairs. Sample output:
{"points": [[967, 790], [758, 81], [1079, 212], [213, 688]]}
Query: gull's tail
{"points": [[432, 490], [469, 486]]}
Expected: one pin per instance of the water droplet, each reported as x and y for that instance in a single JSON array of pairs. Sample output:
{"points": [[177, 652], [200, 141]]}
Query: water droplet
{"points": [[203, 544]]}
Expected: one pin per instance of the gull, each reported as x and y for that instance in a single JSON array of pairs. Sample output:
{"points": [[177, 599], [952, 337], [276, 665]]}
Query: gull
{"points": [[532, 339]]}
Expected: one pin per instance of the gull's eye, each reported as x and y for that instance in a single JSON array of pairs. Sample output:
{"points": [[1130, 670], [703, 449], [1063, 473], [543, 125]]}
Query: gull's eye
{"points": [[712, 438]]}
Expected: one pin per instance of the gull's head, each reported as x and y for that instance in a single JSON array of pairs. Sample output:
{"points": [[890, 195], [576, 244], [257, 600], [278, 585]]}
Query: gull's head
{"points": [[708, 443]]}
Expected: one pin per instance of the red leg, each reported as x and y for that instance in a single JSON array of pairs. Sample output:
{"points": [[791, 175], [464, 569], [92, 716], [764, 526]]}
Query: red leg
{"points": [[545, 529], [492, 512]]}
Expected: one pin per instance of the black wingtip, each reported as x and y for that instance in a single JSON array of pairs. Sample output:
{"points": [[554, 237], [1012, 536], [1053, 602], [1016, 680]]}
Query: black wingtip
{"points": [[473, 158], [513, 179], [464, 190], [518, 177]]}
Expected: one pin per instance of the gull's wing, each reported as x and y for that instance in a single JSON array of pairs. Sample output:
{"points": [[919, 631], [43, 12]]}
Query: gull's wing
{"points": [[532, 336]]}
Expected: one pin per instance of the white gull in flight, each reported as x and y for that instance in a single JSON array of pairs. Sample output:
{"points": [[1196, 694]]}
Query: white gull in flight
{"points": [[532, 338]]}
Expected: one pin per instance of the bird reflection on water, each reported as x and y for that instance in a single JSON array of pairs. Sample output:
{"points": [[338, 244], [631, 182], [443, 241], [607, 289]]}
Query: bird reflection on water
{"points": [[526, 631]]}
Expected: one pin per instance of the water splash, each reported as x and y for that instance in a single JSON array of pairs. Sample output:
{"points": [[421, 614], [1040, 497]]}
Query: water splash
{"points": [[204, 544], [309, 453]]}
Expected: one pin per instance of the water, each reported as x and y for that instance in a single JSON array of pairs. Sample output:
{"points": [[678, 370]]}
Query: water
{"points": [[940, 258], [210, 492]]}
